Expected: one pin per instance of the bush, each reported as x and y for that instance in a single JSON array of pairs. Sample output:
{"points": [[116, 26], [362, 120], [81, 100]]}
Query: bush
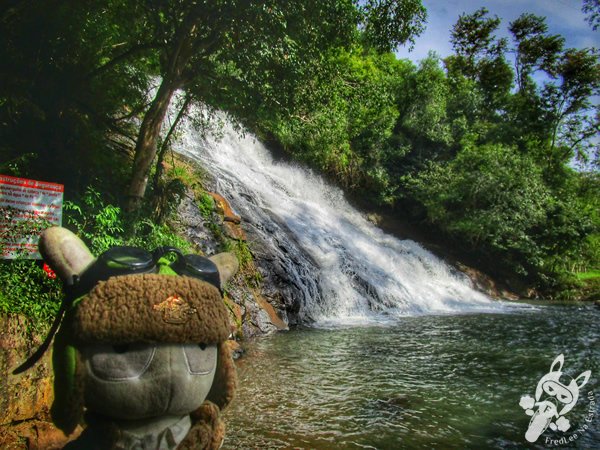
{"points": [[25, 288], [99, 225], [149, 235], [491, 197]]}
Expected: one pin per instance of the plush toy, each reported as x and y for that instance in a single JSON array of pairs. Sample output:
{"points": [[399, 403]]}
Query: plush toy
{"points": [[141, 352]]}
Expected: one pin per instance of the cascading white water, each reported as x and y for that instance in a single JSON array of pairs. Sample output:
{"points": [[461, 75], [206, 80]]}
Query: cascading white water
{"points": [[346, 269]]}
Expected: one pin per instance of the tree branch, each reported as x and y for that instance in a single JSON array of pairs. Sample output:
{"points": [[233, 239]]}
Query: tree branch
{"points": [[123, 56]]}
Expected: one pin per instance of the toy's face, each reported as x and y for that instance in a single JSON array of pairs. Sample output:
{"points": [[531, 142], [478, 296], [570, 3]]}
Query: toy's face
{"points": [[137, 381], [564, 394], [551, 389]]}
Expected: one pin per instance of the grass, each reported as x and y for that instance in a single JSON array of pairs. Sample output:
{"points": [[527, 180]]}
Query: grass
{"points": [[583, 276]]}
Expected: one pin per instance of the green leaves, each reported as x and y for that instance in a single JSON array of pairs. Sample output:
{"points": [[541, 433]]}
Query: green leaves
{"points": [[98, 224], [535, 48], [390, 23], [490, 196], [472, 39], [592, 9]]}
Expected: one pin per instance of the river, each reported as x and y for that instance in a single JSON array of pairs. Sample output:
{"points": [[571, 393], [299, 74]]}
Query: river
{"points": [[443, 382], [395, 349]]}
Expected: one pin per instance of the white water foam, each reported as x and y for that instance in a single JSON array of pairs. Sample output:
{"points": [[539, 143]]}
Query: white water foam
{"points": [[358, 274]]}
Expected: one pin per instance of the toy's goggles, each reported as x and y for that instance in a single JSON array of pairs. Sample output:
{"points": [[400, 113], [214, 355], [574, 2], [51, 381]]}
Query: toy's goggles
{"points": [[123, 260]]}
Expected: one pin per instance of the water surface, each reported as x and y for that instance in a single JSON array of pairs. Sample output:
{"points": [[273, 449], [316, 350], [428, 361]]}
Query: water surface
{"points": [[444, 382]]}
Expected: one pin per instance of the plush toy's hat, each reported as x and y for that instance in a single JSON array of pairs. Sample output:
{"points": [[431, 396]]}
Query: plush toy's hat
{"points": [[128, 295]]}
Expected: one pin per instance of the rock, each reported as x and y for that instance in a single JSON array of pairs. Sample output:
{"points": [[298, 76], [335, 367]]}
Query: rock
{"points": [[263, 322], [235, 348], [193, 226], [236, 316], [267, 309], [29, 395], [35, 435], [484, 283], [272, 315], [250, 324], [374, 218], [228, 265], [224, 208], [25, 399], [233, 231]]}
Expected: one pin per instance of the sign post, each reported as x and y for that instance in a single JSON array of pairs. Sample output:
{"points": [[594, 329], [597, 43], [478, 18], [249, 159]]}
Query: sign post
{"points": [[25, 207]]}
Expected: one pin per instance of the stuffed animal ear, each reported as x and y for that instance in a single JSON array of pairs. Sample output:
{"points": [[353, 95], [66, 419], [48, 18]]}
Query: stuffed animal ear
{"points": [[558, 362], [228, 265], [64, 252], [583, 378]]}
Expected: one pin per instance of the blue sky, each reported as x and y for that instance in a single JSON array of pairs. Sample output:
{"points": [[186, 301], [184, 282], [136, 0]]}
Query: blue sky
{"points": [[562, 16]]}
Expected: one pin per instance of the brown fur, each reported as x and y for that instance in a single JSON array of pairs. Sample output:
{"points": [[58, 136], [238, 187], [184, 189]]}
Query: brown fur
{"points": [[128, 309], [225, 382], [208, 430]]}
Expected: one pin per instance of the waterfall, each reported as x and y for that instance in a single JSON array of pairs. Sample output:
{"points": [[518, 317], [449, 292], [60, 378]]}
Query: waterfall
{"points": [[344, 269]]}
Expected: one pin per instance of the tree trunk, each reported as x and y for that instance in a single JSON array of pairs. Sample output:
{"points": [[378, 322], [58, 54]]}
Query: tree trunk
{"points": [[166, 143], [145, 147]]}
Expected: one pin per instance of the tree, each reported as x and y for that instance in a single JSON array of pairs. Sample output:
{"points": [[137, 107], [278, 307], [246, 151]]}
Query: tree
{"points": [[473, 40], [535, 48], [592, 9], [491, 198], [390, 23], [480, 57], [344, 117], [568, 103], [423, 107], [59, 111], [256, 42]]}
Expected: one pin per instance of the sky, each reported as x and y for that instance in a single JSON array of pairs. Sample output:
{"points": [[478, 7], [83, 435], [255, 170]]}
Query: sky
{"points": [[563, 17]]}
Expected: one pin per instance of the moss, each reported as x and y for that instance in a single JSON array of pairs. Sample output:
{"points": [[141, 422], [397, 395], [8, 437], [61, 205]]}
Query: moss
{"points": [[206, 205]]}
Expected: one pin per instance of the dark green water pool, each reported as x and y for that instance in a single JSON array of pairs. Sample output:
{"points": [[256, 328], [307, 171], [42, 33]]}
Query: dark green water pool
{"points": [[442, 382]]}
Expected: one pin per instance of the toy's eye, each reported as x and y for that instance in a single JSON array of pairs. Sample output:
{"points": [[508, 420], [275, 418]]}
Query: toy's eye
{"points": [[118, 362], [201, 359], [549, 389]]}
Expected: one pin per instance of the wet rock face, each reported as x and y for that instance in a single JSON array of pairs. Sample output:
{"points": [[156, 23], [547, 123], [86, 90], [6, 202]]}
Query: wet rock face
{"points": [[194, 227], [254, 310], [279, 281]]}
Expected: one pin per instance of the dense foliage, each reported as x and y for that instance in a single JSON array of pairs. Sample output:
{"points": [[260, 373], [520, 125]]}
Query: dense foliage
{"points": [[476, 147], [494, 147]]}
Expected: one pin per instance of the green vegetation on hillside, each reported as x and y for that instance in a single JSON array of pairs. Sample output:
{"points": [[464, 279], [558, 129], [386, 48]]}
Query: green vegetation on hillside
{"points": [[472, 147]]}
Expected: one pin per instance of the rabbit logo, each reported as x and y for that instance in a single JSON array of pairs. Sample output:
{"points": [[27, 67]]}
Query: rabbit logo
{"points": [[553, 400]]}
